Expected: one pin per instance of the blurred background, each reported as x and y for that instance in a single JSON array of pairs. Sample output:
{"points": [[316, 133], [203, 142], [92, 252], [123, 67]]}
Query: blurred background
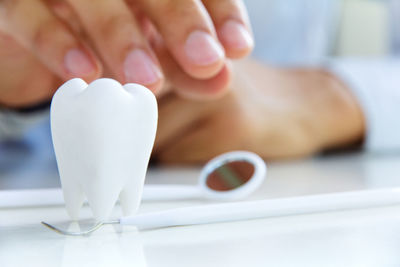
{"points": [[287, 33], [309, 32]]}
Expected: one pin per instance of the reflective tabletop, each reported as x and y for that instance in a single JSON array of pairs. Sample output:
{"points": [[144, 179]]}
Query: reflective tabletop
{"points": [[365, 237]]}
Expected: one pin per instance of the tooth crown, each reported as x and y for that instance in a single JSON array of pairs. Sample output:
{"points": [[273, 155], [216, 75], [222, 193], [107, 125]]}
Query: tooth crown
{"points": [[103, 134]]}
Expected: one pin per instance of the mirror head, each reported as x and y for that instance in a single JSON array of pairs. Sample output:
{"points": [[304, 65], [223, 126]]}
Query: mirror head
{"points": [[233, 175], [230, 175]]}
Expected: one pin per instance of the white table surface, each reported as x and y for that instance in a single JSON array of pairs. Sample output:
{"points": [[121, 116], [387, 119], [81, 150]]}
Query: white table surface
{"points": [[368, 237]]}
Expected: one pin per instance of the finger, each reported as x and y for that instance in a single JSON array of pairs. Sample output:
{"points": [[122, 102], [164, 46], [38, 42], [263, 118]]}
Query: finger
{"points": [[33, 25], [202, 90], [188, 33], [187, 86], [64, 12], [118, 39], [232, 25], [19, 61]]}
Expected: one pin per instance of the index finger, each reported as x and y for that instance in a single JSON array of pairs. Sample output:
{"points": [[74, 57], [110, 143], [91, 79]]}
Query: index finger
{"points": [[118, 38]]}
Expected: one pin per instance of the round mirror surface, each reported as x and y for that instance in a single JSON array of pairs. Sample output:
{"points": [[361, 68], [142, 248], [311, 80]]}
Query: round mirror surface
{"points": [[230, 175]]}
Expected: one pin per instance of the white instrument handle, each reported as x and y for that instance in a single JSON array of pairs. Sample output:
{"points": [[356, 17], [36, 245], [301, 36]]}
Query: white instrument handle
{"points": [[236, 211], [31, 198], [54, 196], [154, 192]]}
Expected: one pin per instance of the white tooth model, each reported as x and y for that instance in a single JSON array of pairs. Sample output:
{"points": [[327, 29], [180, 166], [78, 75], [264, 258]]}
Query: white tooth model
{"points": [[103, 134]]}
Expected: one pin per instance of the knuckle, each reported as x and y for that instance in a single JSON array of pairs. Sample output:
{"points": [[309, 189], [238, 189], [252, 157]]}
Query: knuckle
{"points": [[119, 28], [179, 7], [224, 9], [43, 35], [121, 25], [9, 7]]}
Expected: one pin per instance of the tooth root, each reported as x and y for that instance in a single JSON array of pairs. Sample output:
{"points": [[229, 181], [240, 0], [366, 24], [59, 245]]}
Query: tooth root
{"points": [[130, 199], [74, 227], [74, 197], [102, 200]]}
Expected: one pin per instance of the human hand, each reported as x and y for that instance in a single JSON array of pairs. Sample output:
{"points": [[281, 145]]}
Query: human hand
{"points": [[275, 113], [116, 38]]}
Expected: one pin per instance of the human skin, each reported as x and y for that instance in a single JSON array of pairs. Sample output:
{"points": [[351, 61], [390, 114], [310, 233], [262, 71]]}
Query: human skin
{"points": [[116, 38], [276, 113]]}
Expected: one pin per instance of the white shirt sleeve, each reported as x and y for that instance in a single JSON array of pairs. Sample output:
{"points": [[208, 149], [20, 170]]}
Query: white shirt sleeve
{"points": [[14, 124], [376, 85]]}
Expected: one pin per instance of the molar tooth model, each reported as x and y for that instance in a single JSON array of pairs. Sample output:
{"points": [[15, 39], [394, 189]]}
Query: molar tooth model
{"points": [[103, 134]]}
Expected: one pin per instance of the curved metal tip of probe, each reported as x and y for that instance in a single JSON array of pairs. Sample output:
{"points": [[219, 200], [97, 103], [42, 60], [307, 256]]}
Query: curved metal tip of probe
{"points": [[80, 233]]}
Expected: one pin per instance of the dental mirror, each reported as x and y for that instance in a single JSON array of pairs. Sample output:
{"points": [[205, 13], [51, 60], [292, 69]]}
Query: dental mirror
{"points": [[230, 176]]}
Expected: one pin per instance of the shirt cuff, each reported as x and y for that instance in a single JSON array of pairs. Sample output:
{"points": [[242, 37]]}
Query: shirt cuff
{"points": [[376, 85], [13, 124]]}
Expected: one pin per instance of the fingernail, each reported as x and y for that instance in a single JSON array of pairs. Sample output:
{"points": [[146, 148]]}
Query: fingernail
{"points": [[202, 49], [139, 68], [235, 35], [78, 63]]}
